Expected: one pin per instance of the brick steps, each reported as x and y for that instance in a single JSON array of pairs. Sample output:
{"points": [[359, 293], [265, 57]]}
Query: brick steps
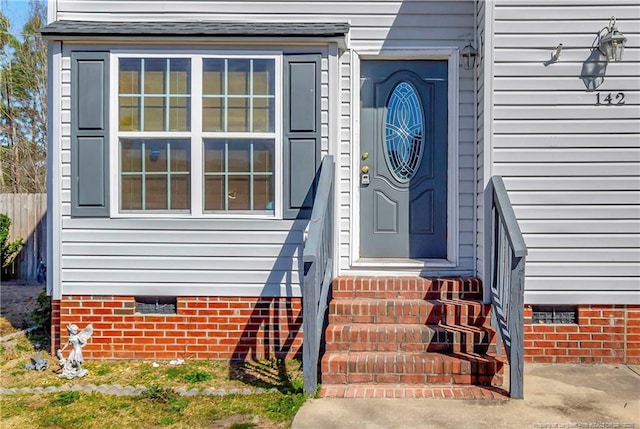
{"points": [[411, 391], [410, 337]]}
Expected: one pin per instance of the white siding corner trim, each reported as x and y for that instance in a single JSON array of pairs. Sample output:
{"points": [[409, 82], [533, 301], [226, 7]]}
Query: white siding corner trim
{"points": [[54, 178]]}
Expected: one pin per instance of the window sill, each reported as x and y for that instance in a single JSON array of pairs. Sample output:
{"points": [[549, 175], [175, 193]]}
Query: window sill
{"points": [[193, 216]]}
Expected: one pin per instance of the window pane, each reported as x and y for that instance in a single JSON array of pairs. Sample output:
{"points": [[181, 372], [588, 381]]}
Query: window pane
{"points": [[263, 77], [154, 75], [156, 192], [129, 77], [238, 115], [180, 156], [131, 160], [154, 114], [179, 114], [155, 156], [179, 82], [150, 190], [239, 192], [213, 114], [238, 77], [129, 113], [131, 192], [263, 192], [263, 156], [239, 156], [263, 115], [180, 192], [213, 76], [214, 193], [214, 156]]}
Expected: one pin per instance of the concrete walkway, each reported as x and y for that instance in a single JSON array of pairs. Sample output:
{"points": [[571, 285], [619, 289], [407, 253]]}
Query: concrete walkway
{"points": [[556, 396]]}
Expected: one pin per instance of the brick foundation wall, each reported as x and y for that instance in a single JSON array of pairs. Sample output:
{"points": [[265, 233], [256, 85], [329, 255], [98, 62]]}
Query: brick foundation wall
{"points": [[603, 334], [254, 328], [203, 328]]}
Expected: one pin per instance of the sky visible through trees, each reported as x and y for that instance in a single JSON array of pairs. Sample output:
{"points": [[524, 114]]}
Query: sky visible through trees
{"points": [[17, 11], [23, 65]]}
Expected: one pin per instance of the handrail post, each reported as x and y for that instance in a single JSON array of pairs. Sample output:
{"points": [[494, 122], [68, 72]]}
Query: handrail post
{"points": [[516, 319], [309, 306], [317, 258], [506, 258]]}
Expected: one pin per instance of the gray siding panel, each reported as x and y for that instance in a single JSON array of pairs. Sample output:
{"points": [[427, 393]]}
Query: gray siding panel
{"points": [[374, 25], [173, 256], [572, 167]]}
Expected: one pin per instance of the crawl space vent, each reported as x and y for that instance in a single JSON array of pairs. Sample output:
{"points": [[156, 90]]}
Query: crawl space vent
{"points": [[156, 304], [562, 315]]}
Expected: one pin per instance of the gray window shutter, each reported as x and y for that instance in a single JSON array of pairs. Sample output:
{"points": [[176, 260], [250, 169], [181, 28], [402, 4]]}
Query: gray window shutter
{"points": [[301, 133], [90, 134]]}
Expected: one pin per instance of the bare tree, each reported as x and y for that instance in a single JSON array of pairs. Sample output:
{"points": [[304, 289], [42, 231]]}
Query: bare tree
{"points": [[23, 105]]}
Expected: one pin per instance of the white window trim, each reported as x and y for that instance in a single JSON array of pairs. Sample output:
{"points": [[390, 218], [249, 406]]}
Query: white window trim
{"points": [[196, 134]]}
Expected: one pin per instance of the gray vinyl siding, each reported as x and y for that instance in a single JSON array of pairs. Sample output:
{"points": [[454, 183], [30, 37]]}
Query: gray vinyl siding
{"points": [[148, 256], [572, 168], [375, 25]]}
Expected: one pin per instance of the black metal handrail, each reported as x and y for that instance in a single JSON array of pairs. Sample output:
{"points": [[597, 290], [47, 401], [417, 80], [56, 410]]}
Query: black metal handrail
{"points": [[317, 257], [507, 257]]}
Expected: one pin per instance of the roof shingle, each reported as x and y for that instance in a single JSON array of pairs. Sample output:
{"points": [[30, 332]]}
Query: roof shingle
{"points": [[195, 29]]}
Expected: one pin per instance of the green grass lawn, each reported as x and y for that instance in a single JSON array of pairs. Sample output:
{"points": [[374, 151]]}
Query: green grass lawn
{"points": [[159, 406]]}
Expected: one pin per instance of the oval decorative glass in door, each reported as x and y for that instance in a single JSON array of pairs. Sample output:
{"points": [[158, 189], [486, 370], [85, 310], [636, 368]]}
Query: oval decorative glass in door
{"points": [[404, 132]]}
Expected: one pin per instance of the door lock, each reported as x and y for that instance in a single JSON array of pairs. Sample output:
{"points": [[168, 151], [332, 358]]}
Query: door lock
{"points": [[364, 177], [365, 155]]}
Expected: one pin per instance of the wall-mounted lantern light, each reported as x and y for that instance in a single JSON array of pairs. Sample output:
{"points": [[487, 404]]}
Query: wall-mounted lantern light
{"points": [[469, 54], [611, 44]]}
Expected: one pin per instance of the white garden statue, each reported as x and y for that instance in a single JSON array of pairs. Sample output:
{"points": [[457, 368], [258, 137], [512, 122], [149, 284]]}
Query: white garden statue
{"points": [[72, 365]]}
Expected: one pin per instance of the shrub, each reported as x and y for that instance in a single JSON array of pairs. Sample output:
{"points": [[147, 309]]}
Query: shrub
{"points": [[41, 314], [8, 249]]}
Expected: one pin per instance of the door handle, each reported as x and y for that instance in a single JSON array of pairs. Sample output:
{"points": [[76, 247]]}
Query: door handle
{"points": [[365, 169]]}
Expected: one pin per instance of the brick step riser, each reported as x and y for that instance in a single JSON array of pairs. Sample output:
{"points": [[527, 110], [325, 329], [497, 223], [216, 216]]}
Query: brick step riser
{"points": [[409, 312], [407, 294], [459, 379], [480, 321], [415, 286], [412, 348], [407, 339], [343, 364]]}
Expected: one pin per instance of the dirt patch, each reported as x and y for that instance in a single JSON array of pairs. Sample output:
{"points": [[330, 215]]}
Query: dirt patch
{"points": [[16, 302]]}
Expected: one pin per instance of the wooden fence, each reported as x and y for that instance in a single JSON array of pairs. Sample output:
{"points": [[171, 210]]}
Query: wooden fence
{"points": [[28, 213]]}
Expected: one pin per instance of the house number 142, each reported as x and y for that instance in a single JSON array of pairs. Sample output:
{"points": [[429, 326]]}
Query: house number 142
{"points": [[610, 99]]}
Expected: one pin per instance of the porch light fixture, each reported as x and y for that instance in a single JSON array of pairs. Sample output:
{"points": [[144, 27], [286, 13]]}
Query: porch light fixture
{"points": [[612, 43], [469, 54]]}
